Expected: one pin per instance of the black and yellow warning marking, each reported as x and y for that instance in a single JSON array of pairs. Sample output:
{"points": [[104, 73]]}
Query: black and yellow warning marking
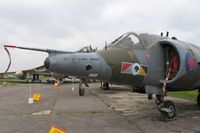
{"points": [[143, 70]]}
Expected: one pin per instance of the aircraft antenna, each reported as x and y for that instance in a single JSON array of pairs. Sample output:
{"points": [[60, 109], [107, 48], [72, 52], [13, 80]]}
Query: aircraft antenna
{"points": [[105, 45], [167, 34]]}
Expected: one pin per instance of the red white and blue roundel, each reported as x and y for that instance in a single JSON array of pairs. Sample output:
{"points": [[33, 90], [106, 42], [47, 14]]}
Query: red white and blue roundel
{"points": [[134, 68], [190, 62]]}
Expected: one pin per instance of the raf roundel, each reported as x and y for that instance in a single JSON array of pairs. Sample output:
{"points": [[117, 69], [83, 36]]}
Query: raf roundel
{"points": [[136, 69], [190, 62]]}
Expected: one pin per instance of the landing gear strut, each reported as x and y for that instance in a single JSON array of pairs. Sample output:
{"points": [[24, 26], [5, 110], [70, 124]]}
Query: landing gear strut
{"points": [[198, 98], [132, 89], [82, 90], [105, 86], [150, 96], [167, 108]]}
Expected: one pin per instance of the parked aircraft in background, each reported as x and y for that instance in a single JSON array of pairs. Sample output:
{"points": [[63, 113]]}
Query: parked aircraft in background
{"points": [[32, 75], [155, 63]]}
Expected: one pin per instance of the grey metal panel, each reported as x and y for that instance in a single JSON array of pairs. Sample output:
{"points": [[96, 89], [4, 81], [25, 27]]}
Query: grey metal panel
{"points": [[154, 90], [155, 63], [183, 79], [75, 65]]}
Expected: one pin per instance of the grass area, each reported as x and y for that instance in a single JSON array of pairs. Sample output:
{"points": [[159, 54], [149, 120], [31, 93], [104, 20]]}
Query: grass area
{"points": [[11, 81], [190, 95], [43, 78]]}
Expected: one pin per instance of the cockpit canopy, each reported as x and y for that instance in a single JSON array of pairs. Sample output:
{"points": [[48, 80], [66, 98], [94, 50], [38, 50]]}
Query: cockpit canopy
{"points": [[132, 40], [127, 40], [87, 49]]}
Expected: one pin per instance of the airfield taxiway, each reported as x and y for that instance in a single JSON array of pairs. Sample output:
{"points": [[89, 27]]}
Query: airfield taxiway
{"points": [[113, 111]]}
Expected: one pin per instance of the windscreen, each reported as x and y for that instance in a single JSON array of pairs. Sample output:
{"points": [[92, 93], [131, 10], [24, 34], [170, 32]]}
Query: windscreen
{"points": [[128, 40]]}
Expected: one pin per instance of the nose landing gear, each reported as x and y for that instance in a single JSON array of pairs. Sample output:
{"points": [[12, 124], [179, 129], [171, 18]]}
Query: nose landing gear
{"points": [[82, 90]]}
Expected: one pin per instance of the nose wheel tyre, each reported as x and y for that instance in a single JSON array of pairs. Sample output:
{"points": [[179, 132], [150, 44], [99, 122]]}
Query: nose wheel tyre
{"points": [[168, 110], [198, 100], [81, 92]]}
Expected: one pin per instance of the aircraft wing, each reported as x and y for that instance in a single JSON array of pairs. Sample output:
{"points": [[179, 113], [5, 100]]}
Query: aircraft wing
{"points": [[37, 70], [41, 70]]}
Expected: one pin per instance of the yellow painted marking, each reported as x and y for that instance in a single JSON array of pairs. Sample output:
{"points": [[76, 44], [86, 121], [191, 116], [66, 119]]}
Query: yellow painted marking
{"points": [[130, 54], [142, 72], [56, 130], [36, 96]]}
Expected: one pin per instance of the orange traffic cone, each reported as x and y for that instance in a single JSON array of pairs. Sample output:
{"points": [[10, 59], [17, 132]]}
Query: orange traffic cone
{"points": [[57, 84]]}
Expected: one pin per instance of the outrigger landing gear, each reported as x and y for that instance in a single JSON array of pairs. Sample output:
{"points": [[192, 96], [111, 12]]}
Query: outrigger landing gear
{"points": [[167, 108], [198, 98], [82, 90]]}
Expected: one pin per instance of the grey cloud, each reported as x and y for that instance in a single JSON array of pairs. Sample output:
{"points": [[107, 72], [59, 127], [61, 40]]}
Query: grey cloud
{"points": [[61, 24], [52, 20], [185, 20]]}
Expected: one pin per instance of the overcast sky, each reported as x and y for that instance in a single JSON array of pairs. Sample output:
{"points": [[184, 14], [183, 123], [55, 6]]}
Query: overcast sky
{"points": [[71, 24]]}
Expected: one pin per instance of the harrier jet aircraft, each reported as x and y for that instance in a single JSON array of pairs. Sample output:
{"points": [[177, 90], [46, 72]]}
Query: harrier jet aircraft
{"points": [[156, 63]]}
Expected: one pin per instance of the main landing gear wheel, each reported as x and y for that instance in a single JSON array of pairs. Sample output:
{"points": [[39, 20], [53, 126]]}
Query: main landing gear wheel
{"points": [[198, 100], [105, 86], [150, 96], [168, 111], [81, 92]]}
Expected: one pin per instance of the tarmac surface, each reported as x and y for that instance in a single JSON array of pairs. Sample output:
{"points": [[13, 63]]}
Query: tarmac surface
{"points": [[112, 111]]}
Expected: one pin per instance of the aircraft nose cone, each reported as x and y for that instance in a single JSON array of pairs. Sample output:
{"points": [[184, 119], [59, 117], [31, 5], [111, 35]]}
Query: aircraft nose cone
{"points": [[47, 63]]}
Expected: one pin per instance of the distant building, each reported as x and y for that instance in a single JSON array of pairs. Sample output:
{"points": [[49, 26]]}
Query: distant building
{"points": [[1, 76]]}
